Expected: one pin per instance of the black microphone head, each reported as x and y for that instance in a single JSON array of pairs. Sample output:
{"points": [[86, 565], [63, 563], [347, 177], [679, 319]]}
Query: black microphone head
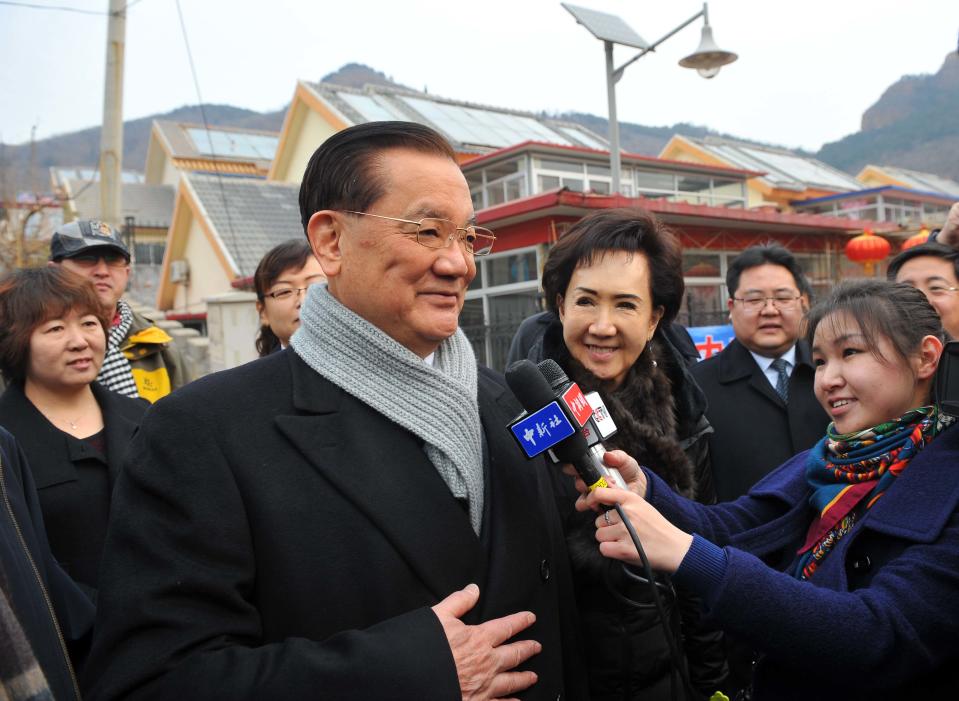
{"points": [[553, 373], [528, 385]]}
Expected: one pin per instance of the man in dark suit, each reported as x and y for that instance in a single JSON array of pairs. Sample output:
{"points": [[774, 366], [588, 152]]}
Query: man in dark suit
{"points": [[760, 387], [315, 523]]}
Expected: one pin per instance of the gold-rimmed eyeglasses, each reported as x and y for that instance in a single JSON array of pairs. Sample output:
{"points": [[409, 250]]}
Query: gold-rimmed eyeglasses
{"points": [[754, 304], [439, 233]]}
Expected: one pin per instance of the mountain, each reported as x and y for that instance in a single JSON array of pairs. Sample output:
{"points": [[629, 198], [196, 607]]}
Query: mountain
{"points": [[82, 148], [912, 125]]}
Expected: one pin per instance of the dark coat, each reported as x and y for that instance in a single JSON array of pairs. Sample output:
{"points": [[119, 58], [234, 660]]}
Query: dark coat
{"points": [[273, 537], [754, 430], [73, 479], [654, 408], [55, 615], [878, 620]]}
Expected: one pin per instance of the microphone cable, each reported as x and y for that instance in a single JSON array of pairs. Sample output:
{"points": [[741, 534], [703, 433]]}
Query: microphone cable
{"points": [[679, 660]]}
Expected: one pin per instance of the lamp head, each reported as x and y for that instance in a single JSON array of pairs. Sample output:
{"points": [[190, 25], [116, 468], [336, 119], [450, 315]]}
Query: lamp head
{"points": [[708, 58]]}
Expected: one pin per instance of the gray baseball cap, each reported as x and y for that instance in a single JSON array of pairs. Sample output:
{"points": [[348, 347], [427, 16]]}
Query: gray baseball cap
{"points": [[78, 236]]}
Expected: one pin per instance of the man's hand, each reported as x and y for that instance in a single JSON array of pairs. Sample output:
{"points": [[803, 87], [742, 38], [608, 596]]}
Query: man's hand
{"points": [[483, 663], [949, 234]]}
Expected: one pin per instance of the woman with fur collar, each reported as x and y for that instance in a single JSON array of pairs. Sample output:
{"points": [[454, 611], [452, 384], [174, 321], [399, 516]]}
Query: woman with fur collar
{"points": [[615, 282]]}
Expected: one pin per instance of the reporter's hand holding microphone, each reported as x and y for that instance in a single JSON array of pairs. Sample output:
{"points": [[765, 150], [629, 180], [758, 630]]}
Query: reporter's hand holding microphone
{"points": [[665, 544]]}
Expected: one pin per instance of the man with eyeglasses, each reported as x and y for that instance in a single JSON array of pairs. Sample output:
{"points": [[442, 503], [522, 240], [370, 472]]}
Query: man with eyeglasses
{"points": [[760, 387], [141, 360], [934, 269], [347, 518]]}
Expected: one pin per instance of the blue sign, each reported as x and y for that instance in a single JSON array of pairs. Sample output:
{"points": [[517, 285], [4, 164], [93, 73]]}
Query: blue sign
{"points": [[542, 429], [710, 340]]}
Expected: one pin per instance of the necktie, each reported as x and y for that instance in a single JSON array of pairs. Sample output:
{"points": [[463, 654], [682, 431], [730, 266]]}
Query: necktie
{"points": [[782, 382]]}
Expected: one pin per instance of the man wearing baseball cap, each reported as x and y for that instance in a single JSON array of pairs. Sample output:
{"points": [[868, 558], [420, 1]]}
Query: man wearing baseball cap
{"points": [[141, 360]]}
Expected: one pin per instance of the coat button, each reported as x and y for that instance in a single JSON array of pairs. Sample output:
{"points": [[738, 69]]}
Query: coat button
{"points": [[544, 570], [862, 564]]}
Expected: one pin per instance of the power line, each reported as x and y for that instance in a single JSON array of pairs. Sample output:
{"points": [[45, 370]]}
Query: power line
{"points": [[61, 8], [64, 8], [206, 129]]}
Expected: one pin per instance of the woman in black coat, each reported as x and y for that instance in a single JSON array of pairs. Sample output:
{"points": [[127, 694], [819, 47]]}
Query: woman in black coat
{"points": [[614, 283], [73, 431]]}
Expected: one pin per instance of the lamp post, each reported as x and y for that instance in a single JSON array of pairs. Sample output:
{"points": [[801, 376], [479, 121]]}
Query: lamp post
{"points": [[611, 30]]}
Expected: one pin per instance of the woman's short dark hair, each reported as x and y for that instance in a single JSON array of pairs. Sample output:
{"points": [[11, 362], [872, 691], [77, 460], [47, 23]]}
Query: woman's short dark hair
{"points": [[342, 172], [294, 254], [899, 313], [629, 229], [28, 298]]}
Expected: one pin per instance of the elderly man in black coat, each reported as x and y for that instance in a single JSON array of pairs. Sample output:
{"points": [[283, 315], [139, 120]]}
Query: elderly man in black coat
{"points": [[348, 518]]}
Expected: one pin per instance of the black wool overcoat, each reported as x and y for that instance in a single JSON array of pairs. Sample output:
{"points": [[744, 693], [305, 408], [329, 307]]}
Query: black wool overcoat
{"points": [[275, 538]]}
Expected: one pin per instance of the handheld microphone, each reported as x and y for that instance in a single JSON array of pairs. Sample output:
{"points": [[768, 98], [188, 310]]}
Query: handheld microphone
{"points": [[597, 428], [553, 422]]}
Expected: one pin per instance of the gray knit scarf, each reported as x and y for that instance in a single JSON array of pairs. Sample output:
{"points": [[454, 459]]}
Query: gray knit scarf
{"points": [[435, 403], [115, 373]]}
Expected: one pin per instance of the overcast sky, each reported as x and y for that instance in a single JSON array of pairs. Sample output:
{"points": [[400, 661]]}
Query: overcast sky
{"points": [[806, 71]]}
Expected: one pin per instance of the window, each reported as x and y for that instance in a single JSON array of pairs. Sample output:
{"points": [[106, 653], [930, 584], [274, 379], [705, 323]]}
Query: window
{"points": [[648, 180], [701, 265], [697, 187], [507, 269], [567, 166], [703, 305], [504, 292], [149, 253]]}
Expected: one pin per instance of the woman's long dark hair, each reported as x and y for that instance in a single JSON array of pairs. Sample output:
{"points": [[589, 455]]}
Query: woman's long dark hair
{"points": [[289, 254]]}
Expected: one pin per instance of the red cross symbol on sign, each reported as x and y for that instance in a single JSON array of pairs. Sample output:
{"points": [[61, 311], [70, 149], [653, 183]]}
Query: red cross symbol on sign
{"points": [[709, 346]]}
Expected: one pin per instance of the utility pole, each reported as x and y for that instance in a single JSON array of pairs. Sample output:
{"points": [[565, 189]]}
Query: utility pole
{"points": [[111, 135]]}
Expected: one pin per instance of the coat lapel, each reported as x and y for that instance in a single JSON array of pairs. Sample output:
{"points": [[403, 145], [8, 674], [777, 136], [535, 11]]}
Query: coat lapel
{"points": [[737, 363], [119, 430], [383, 471]]}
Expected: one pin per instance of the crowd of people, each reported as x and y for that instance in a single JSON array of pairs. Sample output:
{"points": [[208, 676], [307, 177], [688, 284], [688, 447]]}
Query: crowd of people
{"points": [[348, 517]]}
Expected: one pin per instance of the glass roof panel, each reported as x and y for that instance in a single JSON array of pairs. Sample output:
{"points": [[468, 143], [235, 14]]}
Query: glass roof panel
{"points": [[371, 110], [234, 144], [804, 170], [584, 138], [474, 125]]}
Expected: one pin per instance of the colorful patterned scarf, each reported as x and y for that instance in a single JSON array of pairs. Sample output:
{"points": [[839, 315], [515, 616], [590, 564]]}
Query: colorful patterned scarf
{"points": [[848, 473]]}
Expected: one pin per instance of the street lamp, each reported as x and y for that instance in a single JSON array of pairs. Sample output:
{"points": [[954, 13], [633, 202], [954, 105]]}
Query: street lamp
{"points": [[611, 30]]}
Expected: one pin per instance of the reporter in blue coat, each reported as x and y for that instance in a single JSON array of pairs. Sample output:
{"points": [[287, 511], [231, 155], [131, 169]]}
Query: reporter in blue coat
{"points": [[841, 568]]}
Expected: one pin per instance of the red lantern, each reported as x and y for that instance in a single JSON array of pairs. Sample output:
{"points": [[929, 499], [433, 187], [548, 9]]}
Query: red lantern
{"points": [[868, 249], [916, 239]]}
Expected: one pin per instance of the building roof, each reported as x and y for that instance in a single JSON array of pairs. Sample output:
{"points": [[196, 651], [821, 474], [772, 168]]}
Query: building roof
{"points": [[150, 205], [927, 182], [783, 169], [249, 217], [563, 201], [603, 154], [895, 190], [193, 142], [61, 175], [469, 127]]}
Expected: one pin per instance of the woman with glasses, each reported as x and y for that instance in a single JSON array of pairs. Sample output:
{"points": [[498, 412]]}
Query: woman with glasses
{"points": [[73, 430], [840, 568], [281, 280], [614, 283]]}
